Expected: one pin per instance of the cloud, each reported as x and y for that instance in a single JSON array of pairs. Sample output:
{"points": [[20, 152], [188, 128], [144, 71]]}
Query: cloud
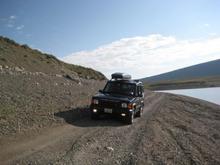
{"points": [[9, 22], [12, 17], [207, 25], [20, 27], [10, 25], [147, 55], [213, 34]]}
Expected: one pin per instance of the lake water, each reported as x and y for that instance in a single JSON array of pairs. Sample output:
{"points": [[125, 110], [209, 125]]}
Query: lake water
{"points": [[208, 94]]}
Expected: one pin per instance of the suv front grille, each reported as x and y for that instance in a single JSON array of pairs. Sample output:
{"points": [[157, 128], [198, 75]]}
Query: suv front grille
{"points": [[109, 104]]}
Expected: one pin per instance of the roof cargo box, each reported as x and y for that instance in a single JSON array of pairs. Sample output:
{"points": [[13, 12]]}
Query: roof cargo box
{"points": [[122, 76]]}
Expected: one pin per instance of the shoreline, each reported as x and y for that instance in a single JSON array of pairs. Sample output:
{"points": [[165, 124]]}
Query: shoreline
{"points": [[206, 82]]}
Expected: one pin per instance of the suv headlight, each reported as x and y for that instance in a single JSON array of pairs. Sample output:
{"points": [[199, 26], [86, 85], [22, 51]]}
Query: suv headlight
{"points": [[124, 105], [95, 101]]}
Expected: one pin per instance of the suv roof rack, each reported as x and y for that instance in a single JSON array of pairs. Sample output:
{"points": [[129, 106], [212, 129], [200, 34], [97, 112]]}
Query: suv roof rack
{"points": [[121, 76]]}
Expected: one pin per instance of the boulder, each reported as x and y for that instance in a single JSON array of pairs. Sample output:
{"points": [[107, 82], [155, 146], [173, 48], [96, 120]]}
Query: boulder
{"points": [[19, 69], [72, 77], [109, 149]]}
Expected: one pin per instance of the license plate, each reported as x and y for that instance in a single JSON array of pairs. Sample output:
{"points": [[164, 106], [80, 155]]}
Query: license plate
{"points": [[107, 110]]}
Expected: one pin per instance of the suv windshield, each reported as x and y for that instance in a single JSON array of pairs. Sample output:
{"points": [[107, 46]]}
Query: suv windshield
{"points": [[120, 88]]}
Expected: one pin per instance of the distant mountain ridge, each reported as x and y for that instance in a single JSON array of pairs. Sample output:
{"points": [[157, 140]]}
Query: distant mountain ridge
{"points": [[207, 69]]}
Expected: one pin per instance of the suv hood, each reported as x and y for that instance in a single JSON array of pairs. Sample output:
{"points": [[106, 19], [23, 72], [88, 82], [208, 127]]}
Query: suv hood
{"points": [[115, 97]]}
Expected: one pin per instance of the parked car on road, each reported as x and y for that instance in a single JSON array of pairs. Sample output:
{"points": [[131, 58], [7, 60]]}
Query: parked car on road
{"points": [[121, 96]]}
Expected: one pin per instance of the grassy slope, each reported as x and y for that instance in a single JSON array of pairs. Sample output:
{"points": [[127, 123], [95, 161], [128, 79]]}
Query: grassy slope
{"points": [[197, 76], [13, 54], [207, 69]]}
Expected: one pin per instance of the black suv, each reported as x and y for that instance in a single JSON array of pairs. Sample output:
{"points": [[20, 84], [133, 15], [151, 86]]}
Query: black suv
{"points": [[121, 96]]}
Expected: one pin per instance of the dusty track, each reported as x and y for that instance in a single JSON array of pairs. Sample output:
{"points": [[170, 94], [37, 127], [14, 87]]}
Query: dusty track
{"points": [[171, 131]]}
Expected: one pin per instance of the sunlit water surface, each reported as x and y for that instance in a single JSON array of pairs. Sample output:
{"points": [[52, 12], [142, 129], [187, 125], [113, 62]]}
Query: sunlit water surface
{"points": [[208, 94]]}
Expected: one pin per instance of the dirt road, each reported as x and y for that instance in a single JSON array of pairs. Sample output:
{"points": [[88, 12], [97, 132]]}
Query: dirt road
{"points": [[172, 130]]}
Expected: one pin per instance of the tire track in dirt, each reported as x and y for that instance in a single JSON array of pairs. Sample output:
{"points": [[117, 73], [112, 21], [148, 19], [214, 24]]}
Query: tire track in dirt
{"points": [[123, 140], [166, 134], [45, 145]]}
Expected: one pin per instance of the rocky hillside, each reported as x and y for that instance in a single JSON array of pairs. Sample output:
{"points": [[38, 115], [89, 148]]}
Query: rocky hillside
{"points": [[22, 58], [34, 86]]}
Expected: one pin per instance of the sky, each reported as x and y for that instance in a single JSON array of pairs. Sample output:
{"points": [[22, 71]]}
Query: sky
{"points": [[140, 37]]}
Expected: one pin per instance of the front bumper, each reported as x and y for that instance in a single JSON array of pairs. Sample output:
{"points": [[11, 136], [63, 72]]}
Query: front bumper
{"points": [[114, 111]]}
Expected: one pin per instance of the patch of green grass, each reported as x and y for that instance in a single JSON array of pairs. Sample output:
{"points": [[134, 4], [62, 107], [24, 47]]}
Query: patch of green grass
{"points": [[25, 46], [7, 111], [3, 59], [10, 41]]}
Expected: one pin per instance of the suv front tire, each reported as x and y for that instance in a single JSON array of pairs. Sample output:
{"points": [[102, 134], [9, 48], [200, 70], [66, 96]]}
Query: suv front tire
{"points": [[140, 112], [130, 118]]}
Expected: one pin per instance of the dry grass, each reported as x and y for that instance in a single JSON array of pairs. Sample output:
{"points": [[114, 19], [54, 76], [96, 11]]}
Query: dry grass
{"points": [[13, 54]]}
